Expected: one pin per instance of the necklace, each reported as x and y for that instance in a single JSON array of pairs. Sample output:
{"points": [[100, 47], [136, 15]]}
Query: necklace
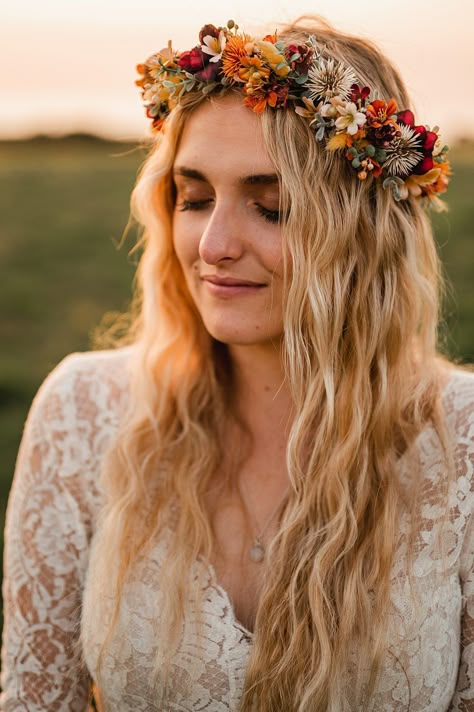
{"points": [[257, 550]]}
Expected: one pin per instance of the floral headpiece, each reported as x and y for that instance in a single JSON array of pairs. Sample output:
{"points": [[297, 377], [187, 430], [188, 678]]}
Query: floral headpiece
{"points": [[376, 137]]}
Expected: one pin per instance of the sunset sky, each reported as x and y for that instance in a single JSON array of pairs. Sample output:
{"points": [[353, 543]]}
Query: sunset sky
{"points": [[70, 66]]}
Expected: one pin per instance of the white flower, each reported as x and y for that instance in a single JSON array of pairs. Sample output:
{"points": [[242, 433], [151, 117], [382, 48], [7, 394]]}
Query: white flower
{"points": [[350, 118], [328, 78], [214, 46], [404, 153], [330, 111]]}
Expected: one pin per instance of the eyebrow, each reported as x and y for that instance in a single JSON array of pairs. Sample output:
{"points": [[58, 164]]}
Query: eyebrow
{"points": [[257, 179]]}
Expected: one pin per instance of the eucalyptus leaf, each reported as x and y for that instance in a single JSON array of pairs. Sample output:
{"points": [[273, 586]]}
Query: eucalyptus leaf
{"points": [[320, 133], [301, 79]]}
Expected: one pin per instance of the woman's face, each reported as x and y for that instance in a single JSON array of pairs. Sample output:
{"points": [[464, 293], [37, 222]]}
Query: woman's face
{"points": [[226, 229]]}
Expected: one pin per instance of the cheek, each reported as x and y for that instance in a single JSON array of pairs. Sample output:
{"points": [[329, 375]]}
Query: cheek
{"points": [[183, 243]]}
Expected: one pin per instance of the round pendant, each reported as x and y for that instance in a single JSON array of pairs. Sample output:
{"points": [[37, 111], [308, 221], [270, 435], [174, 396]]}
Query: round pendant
{"points": [[257, 553]]}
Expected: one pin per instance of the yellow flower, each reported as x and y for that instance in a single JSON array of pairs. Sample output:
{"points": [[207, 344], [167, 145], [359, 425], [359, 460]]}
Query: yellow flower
{"points": [[338, 141], [253, 72], [273, 57]]}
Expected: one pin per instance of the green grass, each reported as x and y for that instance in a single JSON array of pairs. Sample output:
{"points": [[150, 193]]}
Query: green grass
{"points": [[63, 210]]}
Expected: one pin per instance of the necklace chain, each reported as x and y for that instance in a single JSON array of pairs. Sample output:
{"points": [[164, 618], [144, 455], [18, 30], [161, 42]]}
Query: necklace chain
{"points": [[257, 550]]}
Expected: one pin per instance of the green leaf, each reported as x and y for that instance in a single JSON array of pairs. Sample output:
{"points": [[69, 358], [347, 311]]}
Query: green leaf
{"points": [[320, 133], [301, 79], [207, 88]]}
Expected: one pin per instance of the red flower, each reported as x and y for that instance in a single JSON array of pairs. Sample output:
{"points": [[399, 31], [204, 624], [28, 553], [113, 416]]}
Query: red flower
{"points": [[209, 73], [193, 60], [358, 95], [206, 31], [302, 64], [406, 117], [427, 141]]}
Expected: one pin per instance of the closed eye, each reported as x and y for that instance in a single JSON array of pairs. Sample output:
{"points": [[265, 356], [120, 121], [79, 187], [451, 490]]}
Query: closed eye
{"points": [[271, 216], [192, 204]]}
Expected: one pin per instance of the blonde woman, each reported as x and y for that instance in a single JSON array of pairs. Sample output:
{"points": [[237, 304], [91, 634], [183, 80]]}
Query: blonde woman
{"points": [[264, 501]]}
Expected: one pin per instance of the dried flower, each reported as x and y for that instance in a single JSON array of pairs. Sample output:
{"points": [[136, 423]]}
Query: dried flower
{"points": [[328, 78], [232, 56], [404, 153]]}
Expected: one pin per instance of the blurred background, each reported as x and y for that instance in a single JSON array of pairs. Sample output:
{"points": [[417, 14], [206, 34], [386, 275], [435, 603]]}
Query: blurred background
{"points": [[71, 130]]}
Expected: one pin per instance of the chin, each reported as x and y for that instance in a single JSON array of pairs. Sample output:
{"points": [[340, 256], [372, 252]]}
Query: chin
{"points": [[246, 335]]}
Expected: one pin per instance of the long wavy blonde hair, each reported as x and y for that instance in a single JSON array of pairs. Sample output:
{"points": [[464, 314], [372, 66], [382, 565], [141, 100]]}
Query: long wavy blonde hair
{"points": [[361, 313]]}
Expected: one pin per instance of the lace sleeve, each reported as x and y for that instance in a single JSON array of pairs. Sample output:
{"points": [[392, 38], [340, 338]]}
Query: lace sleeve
{"points": [[463, 700], [47, 536]]}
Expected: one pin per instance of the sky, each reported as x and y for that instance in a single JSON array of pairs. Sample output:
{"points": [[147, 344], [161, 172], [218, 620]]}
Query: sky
{"points": [[70, 66]]}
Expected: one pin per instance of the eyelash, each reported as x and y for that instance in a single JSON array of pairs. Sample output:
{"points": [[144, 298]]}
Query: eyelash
{"points": [[271, 216]]}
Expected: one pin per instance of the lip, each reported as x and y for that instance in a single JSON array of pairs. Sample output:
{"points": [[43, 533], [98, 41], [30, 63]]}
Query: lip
{"points": [[230, 286]]}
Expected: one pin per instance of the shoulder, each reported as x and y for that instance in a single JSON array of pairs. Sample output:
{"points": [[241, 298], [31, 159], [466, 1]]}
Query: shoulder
{"points": [[458, 402], [78, 409], [90, 367], [87, 380], [73, 419]]}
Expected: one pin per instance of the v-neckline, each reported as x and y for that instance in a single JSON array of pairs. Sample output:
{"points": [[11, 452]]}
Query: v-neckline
{"points": [[212, 571], [223, 593]]}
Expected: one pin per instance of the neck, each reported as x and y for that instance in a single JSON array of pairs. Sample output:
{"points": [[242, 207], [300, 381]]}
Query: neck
{"points": [[262, 393]]}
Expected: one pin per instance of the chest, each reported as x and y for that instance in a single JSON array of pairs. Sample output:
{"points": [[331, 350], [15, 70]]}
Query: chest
{"points": [[418, 673], [237, 572]]}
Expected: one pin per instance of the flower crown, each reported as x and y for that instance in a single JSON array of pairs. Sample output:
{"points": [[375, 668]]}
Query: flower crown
{"points": [[378, 139]]}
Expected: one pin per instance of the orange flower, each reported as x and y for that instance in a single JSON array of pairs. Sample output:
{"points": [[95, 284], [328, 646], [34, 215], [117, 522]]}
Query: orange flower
{"points": [[258, 102], [271, 38], [252, 71], [380, 113], [258, 99], [232, 56]]}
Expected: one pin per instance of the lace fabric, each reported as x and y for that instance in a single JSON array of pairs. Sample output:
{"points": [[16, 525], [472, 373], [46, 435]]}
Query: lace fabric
{"points": [[52, 633]]}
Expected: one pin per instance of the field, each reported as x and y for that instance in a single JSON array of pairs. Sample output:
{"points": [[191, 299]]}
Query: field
{"points": [[63, 211]]}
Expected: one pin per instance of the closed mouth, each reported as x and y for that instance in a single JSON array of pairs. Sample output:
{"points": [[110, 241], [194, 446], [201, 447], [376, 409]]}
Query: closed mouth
{"points": [[231, 281]]}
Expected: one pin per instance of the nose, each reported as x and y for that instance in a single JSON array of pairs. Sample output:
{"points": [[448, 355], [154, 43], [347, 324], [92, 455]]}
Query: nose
{"points": [[222, 236]]}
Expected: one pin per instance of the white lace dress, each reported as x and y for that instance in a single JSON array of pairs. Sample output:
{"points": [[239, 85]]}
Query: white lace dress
{"points": [[49, 586]]}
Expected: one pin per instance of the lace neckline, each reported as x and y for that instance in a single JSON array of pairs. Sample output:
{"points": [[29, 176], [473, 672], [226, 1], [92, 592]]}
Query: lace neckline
{"points": [[212, 571]]}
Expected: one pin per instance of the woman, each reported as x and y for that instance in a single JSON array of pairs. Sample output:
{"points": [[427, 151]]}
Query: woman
{"points": [[264, 502]]}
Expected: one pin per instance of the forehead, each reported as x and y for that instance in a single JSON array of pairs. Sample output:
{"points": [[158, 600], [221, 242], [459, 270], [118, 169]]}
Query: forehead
{"points": [[223, 134]]}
